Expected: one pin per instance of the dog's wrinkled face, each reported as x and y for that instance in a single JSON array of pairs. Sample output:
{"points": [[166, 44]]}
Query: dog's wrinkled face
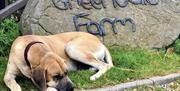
{"points": [[53, 73], [58, 78], [61, 83]]}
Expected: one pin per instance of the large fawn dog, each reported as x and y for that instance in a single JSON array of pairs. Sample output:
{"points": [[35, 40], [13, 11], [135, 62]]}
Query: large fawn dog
{"points": [[47, 59]]}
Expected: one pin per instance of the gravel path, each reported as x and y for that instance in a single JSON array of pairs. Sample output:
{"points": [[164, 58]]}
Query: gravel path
{"points": [[173, 86], [159, 83]]}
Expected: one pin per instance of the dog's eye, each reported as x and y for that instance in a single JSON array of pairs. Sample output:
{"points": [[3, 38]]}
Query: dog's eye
{"points": [[57, 77], [65, 73]]}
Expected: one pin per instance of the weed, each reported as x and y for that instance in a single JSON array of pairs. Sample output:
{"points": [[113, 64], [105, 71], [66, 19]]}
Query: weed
{"points": [[177, 46], [8, 32]]}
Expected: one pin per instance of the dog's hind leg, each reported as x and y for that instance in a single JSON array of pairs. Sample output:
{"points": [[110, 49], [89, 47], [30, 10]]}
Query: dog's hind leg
{"points": [[84, 55], [108, 57], [10, 75]]}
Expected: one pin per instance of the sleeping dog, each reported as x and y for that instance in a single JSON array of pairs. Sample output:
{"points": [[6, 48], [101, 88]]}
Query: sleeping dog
{"points": [[47, 59]]}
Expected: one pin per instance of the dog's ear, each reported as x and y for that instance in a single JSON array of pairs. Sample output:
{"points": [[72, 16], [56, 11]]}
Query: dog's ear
{"points": [[38, 77], [61, 62]]}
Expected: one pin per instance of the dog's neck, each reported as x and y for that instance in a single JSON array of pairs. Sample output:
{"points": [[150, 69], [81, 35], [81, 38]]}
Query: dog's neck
{"points": [[27, 50]]}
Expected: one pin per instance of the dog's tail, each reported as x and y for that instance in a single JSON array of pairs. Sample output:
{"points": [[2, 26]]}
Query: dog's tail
{"points": [[108, 57]]}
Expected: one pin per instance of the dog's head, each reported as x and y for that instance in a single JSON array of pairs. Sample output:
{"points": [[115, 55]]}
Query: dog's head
{"points": [[52, 72]]}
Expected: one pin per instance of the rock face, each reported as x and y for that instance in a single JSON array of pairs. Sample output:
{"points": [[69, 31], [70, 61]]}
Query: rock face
{"points": [[157, 25]]}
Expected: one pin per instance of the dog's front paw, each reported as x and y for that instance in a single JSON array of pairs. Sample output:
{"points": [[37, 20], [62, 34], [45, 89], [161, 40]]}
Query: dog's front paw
{"points": [[51, 89]]}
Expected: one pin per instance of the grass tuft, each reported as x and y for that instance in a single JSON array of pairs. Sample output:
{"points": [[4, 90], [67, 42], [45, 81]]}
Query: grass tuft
{"points": [[177, 46], [8, 32]]}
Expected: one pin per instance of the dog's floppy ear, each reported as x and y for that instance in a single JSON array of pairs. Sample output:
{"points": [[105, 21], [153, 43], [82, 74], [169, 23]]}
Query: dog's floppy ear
{"points": [[61, 62], [38, 77]]}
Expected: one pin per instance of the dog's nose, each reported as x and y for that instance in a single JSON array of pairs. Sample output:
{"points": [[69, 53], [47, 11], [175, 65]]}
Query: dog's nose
{"points": [[70, 87]]}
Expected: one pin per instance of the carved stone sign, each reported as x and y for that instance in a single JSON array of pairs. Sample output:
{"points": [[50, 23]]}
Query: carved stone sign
{"points": [[143, 23]]}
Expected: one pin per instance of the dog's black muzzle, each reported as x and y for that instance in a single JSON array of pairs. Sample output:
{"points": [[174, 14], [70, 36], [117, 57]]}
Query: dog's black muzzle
{"points": [[65, 84]]}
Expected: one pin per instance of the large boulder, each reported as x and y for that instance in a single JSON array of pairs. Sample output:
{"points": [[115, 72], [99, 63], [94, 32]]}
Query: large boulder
{"points": [[150, 24]]}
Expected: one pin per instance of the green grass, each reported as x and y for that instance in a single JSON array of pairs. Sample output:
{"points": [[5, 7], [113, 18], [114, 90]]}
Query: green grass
{"points": [[130, 64], [177, 46], [8, 32]]}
